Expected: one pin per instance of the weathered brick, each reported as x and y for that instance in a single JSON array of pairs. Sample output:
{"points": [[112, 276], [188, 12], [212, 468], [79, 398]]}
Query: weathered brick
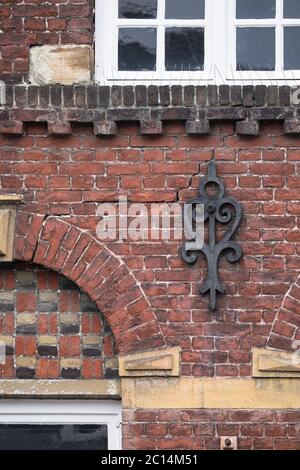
{"points": [[33, 96], [151, 127], [152, 94], [197, 127], [224, 95], [92, 96], [164, 95], [292, 126], [59, 128], [260, 93], [11, 127], [189, 95], [247, 128], [128, 96], [56, 95], [236, 95], [104, 96], [108, 128], [116, 96], [248, 95], [177, 95]]}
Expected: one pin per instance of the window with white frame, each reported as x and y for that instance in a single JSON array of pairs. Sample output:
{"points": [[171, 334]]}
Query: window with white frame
{"points": [[190, 41], [265, 40], [60, 425]]}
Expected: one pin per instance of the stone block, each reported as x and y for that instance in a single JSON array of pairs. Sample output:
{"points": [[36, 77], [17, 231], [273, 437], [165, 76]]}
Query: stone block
{"points": [[63, 65]]}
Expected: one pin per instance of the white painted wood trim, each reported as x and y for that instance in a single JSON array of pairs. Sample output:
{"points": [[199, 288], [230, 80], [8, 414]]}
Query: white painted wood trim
{"points": [[220, 48], [66, 412]]}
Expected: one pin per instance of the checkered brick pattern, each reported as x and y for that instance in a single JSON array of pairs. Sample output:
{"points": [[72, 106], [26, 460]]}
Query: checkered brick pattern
{"points": [[51, 329]]}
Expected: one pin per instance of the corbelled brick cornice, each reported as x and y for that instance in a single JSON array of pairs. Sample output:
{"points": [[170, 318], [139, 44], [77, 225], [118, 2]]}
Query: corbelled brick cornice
{"points": [[105, 106]]}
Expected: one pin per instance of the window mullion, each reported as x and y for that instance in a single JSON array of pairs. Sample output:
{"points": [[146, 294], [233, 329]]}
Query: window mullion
{"points": [[230, 55], [279, 47], [160, 55], [216, 41], [161, 7]]}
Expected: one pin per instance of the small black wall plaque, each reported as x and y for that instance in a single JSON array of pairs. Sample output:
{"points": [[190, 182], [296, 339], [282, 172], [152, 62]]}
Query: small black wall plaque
{"points": [[217, 208]]}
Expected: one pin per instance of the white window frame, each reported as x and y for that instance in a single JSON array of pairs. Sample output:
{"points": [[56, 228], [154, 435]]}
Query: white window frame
{"points": [[220, 47], [107, 24], [106, 412], [279, 74]]}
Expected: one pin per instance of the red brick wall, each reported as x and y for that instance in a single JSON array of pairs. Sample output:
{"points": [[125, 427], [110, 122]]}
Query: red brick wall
{"points": [[69, 176], [146, 292], [35, 23], [202, 429], [36, 304]]}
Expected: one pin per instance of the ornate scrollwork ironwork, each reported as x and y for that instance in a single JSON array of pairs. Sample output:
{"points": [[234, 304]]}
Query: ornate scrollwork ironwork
{"points": [[217, 208]]}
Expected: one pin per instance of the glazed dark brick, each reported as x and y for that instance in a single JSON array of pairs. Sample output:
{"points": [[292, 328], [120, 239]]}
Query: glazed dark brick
{"points": [[69, 329], [70, 373], [47, 306], [91, 352], [26, 329], [86, 304], [25, 373], [6, 307], [47, 350]]}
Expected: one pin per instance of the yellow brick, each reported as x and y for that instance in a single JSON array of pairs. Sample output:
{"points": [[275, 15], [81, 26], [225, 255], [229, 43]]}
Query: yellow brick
{"points": [[69, 318], [7, 295], [8, 340], [47, 339], [47, 296], [26, 319], [71, 363], [112, 363], [26, 362], [91, 339]]}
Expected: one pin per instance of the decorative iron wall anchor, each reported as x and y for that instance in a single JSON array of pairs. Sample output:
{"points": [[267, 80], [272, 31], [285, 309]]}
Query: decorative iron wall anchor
{"points": [[217, 208]]}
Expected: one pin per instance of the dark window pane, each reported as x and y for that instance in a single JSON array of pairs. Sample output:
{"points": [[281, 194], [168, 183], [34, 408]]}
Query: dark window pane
{"points": [[137, 8], [137, 49], [292, 48], [255, 48], [184, 9], [291, 9], [53, 437], [184, 49], [255, 9]]}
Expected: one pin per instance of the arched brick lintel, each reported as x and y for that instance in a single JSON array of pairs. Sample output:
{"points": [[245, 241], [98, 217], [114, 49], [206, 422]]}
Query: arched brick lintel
{"points": [[286, 326], [62, 247]]}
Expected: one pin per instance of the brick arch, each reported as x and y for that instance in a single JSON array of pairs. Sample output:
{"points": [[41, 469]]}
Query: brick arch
{"points": [[62, 247], [286, 325]]}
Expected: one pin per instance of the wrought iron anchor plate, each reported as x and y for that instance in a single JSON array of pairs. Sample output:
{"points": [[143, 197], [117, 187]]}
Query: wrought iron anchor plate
{"points": [[217, 208]]}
